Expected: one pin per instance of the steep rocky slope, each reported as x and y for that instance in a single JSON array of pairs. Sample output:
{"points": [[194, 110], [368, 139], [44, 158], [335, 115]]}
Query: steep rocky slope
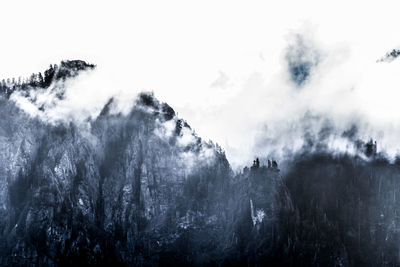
{"points": [[140, 188]]}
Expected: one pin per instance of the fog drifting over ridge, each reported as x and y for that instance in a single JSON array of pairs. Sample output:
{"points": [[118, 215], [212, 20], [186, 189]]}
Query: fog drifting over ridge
{"points": [[317, 94], [227, 75]]}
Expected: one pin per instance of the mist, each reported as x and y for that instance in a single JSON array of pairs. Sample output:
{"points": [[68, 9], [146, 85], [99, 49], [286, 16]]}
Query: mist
{"points": [[213, 133], [231, 78]]}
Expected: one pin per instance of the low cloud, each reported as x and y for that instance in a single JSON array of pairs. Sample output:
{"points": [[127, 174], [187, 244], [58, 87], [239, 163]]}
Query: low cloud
{"points": [[302, 58], [222, 81], [314, 92]]}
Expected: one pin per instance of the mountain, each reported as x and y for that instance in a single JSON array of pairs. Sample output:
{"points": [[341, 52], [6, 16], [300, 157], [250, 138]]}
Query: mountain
{"points": [[139, 189], [390, 56], [52, 83], [55, 73], [142, 188]]}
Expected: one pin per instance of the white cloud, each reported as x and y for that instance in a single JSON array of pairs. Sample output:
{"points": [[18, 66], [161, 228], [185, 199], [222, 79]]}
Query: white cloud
{"points": [[179, 48]]}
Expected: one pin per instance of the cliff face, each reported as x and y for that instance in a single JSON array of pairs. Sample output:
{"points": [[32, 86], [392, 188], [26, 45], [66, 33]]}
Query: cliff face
{"points": [[140, 188], [118, 189]]}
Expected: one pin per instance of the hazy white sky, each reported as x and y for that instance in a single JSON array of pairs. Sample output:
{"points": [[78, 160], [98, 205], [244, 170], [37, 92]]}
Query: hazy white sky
{"points": [[218, 63]]}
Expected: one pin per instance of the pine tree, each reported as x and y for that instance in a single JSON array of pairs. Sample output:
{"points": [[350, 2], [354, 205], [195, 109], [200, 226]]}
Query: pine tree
{"points": [[40, 79], [33, 79]]}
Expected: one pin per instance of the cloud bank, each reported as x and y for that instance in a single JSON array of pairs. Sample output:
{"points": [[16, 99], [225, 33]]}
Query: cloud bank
{"points": [[311, 90]]}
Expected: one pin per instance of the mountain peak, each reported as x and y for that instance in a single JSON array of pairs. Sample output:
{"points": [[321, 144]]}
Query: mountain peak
{"points": [[390, 56], [72, 68], [66, 69]]}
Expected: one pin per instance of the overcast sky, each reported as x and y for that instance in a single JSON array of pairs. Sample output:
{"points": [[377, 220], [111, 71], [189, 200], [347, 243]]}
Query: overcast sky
{"points": [[220, 64]]}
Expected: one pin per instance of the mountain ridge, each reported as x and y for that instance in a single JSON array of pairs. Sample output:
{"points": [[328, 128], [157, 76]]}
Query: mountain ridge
{"points": [[142, 188]]}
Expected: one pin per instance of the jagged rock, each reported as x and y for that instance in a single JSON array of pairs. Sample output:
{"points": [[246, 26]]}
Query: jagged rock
{"points": [[123, 190]]}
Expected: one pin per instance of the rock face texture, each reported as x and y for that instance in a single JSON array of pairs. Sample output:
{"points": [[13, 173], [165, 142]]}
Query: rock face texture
{"points": [[135, 189], [142, 189]]}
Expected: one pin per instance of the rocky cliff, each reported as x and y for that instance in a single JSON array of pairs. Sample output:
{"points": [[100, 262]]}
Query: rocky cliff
{"points": [[140, 188]]}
